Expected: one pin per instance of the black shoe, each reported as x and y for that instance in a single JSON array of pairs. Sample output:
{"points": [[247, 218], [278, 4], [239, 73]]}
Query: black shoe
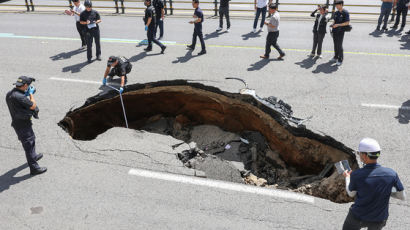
{"points": [[393, 27], [163, 49], [38, 171], [148, 49], [202, 52], [281, 57], [384, 29], [89, 61], [39, 156], [378, 28], [190, 47], [408, 32], [401, 28], [99, 58]]}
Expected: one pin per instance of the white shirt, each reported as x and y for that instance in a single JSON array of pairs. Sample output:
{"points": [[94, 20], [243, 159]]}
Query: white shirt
{"points": [[261, 3], [78, 10], [320, 19]]}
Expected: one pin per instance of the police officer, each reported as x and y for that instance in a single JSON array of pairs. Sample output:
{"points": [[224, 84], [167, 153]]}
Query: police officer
{"points": [[199, 18], [150, 24], [160, 13], [119, 66], [372, 185], [91, 18], [21, 110], [341, 21]]}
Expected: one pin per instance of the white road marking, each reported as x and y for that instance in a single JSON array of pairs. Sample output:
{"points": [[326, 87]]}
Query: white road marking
{"points": [[222, 185], [381, 106], [75, 80]]}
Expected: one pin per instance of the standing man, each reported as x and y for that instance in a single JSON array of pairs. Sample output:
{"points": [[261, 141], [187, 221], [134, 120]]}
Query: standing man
{"points": [[319, 29], [273, 33], [160, 14], [224, 10], [21, 110], [387, 6], [372, 185], [76, 11], [341, 20], [199, 18], [260, 7], [91, 18], [150, 23], [119, 66], [402, 9]]}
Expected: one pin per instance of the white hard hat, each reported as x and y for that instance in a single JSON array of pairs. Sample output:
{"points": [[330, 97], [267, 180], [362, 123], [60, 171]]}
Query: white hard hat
{"points": [[369, 145]]}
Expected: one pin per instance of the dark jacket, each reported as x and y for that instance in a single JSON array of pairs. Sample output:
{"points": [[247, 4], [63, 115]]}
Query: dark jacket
{"points": [[322, 23]]}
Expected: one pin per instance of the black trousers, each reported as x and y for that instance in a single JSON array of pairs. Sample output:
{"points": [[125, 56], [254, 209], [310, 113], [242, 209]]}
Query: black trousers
{"points": [[93, 33], [338, 45], [198, 33], [352, 223], [160, 24], [403, 12], [28, 140], [271, 40], [81, 30], [317, 42], [224, 10], [151, 38]]}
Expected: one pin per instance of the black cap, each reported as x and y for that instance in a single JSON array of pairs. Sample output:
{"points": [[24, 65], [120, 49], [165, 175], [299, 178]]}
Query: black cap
{"points": [[111, 60], [88, 3], [339, 2], [22, 80], [273, 6]]}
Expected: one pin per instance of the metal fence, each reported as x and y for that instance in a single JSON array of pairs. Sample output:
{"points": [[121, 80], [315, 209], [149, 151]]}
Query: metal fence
{"points": [[120, 6]]}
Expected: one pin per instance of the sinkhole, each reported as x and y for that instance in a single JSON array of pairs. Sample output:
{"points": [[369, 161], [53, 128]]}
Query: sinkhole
{"points": [[256, 140]]}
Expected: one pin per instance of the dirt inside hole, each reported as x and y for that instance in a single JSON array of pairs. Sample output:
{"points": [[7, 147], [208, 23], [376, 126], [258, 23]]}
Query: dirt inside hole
{"points": [[256, 141]]}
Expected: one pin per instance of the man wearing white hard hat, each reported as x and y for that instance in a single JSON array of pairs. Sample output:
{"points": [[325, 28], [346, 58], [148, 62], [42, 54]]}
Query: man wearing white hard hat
{"points": [[372, 185]]}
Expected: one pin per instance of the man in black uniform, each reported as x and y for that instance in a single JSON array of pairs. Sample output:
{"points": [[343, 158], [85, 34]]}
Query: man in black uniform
{"points": [[224, 10], [402, 9], [160, 13], [91, 18], [120, 67], [150, 23], [319, 29], [341, 21], [21, 110], [199, 18]]}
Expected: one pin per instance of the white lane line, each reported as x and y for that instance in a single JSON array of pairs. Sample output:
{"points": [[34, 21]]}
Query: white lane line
{"points": [[381, 106], [75, 80], [222, 185]]}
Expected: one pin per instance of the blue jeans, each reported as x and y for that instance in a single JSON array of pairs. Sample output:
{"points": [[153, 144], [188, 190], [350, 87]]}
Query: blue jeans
{"points": [[385, 12], [258, 13]]}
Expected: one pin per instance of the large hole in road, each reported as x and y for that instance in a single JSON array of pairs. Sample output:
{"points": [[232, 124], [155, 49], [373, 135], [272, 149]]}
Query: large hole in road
{"points": [[257, 141]]}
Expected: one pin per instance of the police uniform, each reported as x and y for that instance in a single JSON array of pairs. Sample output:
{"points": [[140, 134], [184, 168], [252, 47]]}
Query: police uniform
{"points": [[150, 13], [339, 33], [21, 114], [92, 31], [159, 6], [122, 68]]}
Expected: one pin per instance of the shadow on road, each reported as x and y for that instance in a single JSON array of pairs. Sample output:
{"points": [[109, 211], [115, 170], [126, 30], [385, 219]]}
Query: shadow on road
{"points": [[260, 64], [251, 35], [406, 42], [307, 63], [391, 33], [67, 55], [188, 56], [326, 68], [75, 68], [404, 113], [214, 34], [8, 179], [376, 34], [142, 55]]}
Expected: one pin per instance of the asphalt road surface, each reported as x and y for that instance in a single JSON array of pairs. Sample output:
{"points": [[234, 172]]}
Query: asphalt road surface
{"points": [[88, 184]]}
